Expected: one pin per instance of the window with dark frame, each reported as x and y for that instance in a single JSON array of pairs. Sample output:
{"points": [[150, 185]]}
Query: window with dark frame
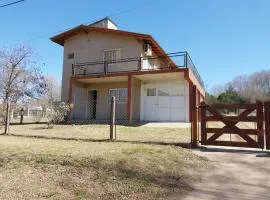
{"points": [[151, 92], [121, 95]]}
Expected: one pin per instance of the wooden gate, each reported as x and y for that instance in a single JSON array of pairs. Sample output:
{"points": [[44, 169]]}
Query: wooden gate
{"points": [[217, 127]]}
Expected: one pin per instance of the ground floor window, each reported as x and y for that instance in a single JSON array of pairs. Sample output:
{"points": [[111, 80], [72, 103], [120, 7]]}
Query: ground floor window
{"points": [[151, 92], [121, 95]]}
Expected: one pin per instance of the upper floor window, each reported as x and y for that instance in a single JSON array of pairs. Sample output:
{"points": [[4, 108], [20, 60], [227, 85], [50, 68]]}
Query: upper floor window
{"points": [[70, 56], [113, 54]]}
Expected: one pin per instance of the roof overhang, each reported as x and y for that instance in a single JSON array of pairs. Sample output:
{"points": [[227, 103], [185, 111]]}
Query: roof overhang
{"points": [[61, 38]]}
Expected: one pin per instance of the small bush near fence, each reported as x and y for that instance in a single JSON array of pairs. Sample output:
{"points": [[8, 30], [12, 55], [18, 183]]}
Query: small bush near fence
{"points": [[58, 114]]}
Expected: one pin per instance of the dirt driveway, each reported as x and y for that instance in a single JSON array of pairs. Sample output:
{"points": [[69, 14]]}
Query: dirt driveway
{"points": [[235, 175]]}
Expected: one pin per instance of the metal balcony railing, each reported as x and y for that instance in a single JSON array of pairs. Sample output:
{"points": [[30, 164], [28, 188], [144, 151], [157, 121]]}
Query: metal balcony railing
{"points": [[170, 61]]}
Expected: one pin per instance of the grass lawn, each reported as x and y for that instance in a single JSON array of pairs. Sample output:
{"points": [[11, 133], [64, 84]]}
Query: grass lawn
{"points": [[32, 168], [101, 132]]}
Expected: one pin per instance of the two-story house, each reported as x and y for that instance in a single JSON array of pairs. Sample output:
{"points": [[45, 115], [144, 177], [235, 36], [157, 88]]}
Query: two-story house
{"points": [[101, 61]]}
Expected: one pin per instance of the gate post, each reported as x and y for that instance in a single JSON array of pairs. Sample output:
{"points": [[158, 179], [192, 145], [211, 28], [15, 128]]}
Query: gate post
{"points": [[267, 124], [194, 126], [203, 123], [260, 118]]}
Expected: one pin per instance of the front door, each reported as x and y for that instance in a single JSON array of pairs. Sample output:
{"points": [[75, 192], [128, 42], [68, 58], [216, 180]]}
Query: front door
{"points": [[92, 104]]}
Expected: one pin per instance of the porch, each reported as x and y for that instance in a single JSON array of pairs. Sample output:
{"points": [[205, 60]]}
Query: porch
{"points": [[140, 96]]}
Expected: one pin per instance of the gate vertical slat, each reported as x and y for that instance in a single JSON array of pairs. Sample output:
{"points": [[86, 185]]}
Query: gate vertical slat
{"points": [[267, 124], [203, 123], [260, 118]]}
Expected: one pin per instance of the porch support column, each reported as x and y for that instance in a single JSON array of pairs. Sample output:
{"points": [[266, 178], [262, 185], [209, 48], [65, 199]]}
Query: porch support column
{"points": [[130, 97], [190, 100], [70, 98], [198, 104], [194, 124]]}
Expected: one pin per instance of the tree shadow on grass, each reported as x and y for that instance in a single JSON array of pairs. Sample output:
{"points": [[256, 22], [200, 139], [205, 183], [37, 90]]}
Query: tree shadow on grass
{"points": [[60, 138], [170, 181], [183, 145]]}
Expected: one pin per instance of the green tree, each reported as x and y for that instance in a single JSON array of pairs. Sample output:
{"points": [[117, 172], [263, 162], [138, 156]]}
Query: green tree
{"points": [[230, 96], [210, 99]]}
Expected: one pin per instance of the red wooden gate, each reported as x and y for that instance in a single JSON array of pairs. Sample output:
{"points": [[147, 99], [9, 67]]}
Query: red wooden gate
{"points": [[239, 136]]}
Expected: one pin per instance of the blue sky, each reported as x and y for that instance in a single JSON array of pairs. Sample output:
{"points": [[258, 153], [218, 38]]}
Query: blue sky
{"points": [[225, 38]]}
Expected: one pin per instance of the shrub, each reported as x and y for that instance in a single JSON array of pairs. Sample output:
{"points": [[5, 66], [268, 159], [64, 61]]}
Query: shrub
{"points": [[59, 114]]}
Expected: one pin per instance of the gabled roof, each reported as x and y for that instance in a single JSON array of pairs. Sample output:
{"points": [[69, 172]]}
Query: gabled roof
{"points": [[60, 39]]}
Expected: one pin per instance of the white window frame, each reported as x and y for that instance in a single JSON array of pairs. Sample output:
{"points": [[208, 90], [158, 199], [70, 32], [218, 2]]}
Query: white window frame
{"points": [[118, 101], [107, 50]]}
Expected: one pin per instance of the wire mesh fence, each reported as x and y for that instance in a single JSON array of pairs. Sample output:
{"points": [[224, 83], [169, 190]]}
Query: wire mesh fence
{"points": [[19, 114], [92, 121]]}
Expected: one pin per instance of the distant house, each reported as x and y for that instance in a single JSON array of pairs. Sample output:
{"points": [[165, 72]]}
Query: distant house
{"points": [[101, 61], [28, 111]]}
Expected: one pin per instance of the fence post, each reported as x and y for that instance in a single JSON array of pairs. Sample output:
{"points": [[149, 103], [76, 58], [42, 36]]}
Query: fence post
{"points": [[105, 67], [203, 123], [267, 124], [7, 117], [260, 118], [21, 119], [112, 123], [194, 118]]}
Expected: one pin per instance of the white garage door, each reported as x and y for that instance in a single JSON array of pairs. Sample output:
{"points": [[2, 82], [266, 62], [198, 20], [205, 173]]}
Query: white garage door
{"points": [[165, 103]]}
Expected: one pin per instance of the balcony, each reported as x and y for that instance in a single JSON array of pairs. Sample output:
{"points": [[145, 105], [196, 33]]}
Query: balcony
{"points": [[149, 63]]}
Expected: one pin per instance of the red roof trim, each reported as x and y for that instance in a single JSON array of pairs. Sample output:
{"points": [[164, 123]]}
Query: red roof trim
{"points": [[60, 39]]}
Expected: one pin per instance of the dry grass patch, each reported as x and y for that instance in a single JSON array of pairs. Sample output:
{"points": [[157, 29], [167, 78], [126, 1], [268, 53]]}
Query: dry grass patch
{"points": [[101, 132], [56, 169]]}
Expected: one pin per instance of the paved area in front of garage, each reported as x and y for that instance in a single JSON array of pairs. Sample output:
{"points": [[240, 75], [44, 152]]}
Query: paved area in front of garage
{"points": [[167, 124], [236, 174]]}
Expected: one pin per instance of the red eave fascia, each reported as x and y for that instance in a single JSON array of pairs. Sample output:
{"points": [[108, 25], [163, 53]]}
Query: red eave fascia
{"points": [[130, 73]]}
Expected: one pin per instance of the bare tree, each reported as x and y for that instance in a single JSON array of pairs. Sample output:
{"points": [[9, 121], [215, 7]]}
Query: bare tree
{"points": [[217, 90], [20, 77], [53, 90], [253, 87]]}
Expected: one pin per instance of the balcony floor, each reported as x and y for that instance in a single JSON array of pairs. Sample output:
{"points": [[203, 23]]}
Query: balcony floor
{"points": [[157, 75]]}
